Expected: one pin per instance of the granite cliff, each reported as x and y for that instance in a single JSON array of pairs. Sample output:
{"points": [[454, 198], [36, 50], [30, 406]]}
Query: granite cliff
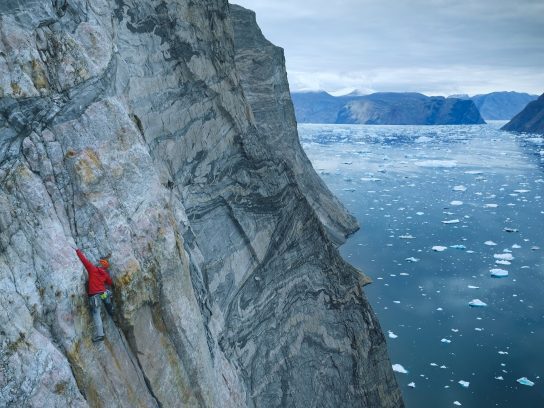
{"points": [[530, 119], [156, 132], [385, 108]]}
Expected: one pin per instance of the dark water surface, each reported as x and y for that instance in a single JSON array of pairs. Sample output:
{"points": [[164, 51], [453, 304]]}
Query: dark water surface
{"points": [[477, 192]]}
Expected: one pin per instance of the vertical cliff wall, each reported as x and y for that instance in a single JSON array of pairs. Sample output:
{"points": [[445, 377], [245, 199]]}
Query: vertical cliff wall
{"points": [[129, 127]]}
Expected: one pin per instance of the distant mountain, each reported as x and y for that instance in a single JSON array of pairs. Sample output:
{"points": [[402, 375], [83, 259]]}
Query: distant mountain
{"points": [[409, 109], [530, 119], [384, 108], [502, 105]]}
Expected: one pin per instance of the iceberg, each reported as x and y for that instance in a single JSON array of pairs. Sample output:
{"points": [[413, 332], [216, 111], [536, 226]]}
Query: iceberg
{"points": [[412, 385], [525, 381], [464, 383], [455, 221], [477, 303], [392, 335], [457, 403], [504, 257], [498, 273], [399, 369], [439, 248]]}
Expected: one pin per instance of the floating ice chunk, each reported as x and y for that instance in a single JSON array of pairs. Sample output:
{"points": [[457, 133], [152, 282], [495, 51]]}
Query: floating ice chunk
{"points": [[473, 172], [404, 274], [473, 287], [399, 369], [490, 243], [455, 330], [349, 189], [434, 364], [396, 301], [509, 229], [439, 309], [504, 257], [459, 188], [456, 203], [392, 335], [525, 381], [412, 385], [458, 246], [499, 378], [501, 262], [419, 213], [407, 236], [478, 329], [521, 191], [498, 273], [447, 341], [491, 205], [439, 248], [412, 259], [455, 221], [535, 248], [457, 403], [443, 366], [516, 246], [477, 303], [503, 352], [464, 383]]}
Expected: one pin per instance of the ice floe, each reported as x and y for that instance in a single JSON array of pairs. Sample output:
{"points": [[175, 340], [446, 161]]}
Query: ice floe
{"points": [[456, 203], [459, 188], [412, 259], [455, 221], [464, 383], [447, 341], [399, 369], [500, 378], [525, 381], [501, 262], [504, 257], [498, 273], [457, 403], [412, 385], [490, 205], [477, 303], [490, 243], [473, 287], [457, 246], [439, 248], [407, 236], [392, 335]]}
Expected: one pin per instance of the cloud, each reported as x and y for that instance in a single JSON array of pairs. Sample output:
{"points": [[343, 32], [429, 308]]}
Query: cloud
{"points": [[368, 41]]}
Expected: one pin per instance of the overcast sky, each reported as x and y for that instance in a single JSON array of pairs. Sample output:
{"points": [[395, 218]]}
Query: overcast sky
{"points": [[437, 47]]}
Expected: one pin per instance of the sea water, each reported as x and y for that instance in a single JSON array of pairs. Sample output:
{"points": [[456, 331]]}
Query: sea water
{"points": [[452, 235]]}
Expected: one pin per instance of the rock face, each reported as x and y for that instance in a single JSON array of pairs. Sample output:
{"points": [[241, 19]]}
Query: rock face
{"points": [[386, 108], [132, 128], [530, 119], [502, 105]]}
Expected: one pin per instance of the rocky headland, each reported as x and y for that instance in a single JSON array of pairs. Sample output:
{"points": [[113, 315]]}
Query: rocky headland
{"points": [[162, 133], [530, 119]]}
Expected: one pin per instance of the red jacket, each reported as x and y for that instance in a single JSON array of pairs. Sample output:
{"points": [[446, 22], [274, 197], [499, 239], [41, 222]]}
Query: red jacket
{"points": [[97, 276]]}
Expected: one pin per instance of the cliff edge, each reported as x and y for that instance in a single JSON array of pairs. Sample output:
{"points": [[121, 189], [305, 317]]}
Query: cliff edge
{"points": [[530, 119], [129, 127]]}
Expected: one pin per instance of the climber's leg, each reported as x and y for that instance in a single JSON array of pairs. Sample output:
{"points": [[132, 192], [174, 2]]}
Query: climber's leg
{"points": [[94, 302]]}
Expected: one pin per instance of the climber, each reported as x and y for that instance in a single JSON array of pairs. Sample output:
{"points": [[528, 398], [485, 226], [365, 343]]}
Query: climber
{"points": [[97, 292]]}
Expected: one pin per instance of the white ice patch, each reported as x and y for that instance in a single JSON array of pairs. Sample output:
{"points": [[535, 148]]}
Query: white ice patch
{"points": [[516, 246], [404, 274], [447, 341], [459, 188], [504, 257], [498, 273], [399, 369], [439, 248], [464, 383], [455, 221], [412, 259], [392, 335], [456, 203], [500, 378], [490, 243], [521, 191], [525, 381], [457, 403], [491, 205], [407, 236], [457, 246], [477, 303], [473, 287], [412, 385]]}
